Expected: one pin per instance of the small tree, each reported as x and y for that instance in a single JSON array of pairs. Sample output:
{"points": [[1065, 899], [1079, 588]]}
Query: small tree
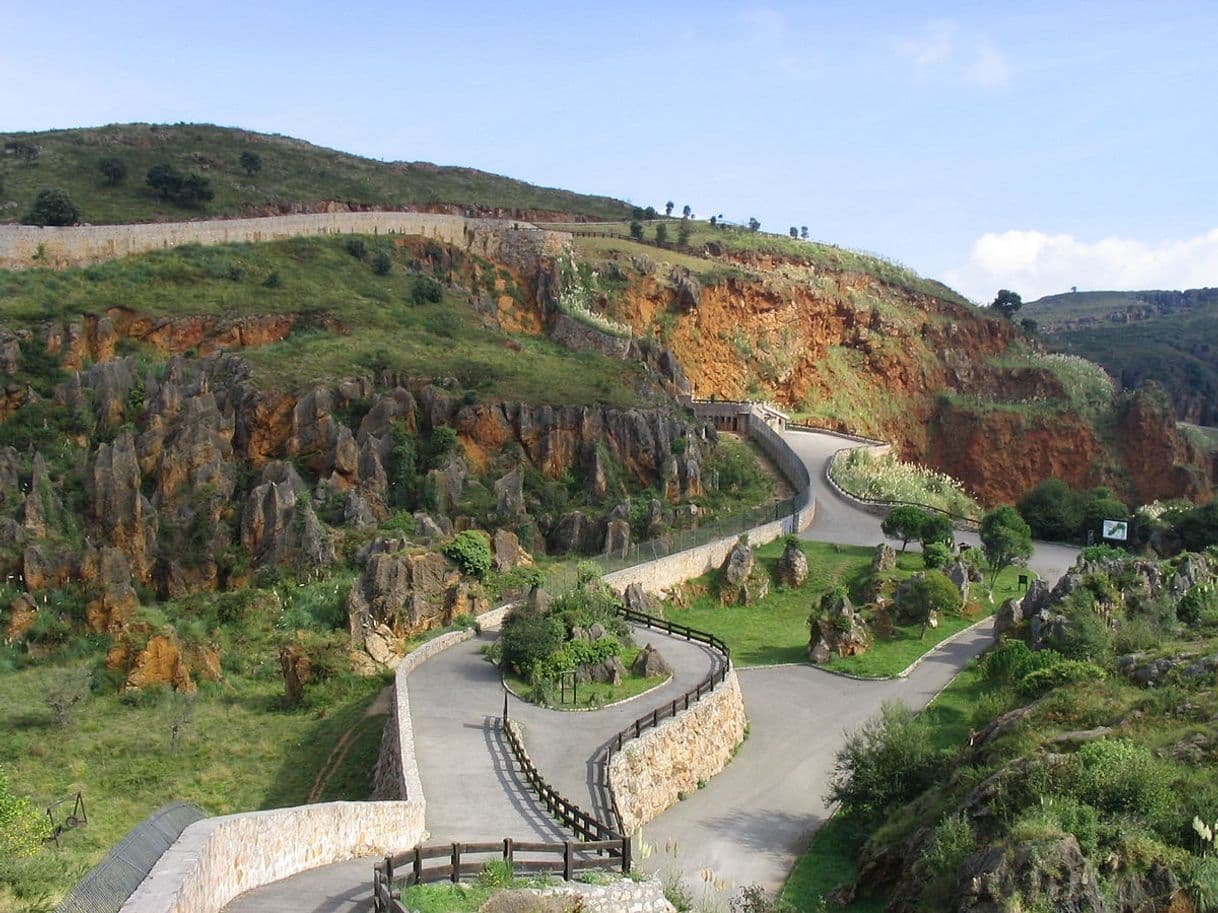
{"points": [[803, 232], [382, 263], [251, 162], [714, 220], [1007, 303], [661, 233], [650, 213], [176, 187], [929, 594], [793, 231], [683, 232], [1005, 538], [52, 206], [754, 225], [114, 170], [426, 290], [686, 212], [885, 763], [668, 207], [938, 528], [904, 523], [636, 230]]}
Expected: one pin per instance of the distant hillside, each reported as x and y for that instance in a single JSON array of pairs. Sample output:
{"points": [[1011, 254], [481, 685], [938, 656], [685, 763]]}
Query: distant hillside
{"points": [[1166, 336], [294, 176]]}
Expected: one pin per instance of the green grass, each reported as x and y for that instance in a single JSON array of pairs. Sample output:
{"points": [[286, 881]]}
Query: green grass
{"points": [[348, 319], [293, 171], [828, 863], [238, 751], [890, 656], [830, 860], [775, 630]]}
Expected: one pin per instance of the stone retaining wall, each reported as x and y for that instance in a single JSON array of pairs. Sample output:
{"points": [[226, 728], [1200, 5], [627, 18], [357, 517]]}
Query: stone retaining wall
{"points": [[651, 772], [23, 246], [217, 859]]}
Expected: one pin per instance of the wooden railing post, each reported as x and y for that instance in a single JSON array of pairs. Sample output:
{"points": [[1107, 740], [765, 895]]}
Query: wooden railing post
{"points": [[626, 861], [418, 864], [509, 854], [568, 857], [388, 877], [456, 863]]}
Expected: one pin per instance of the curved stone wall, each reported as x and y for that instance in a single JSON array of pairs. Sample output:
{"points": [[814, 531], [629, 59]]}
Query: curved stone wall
{"points": [[652, 772]]}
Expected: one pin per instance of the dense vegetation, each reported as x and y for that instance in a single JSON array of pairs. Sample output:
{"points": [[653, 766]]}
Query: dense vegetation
{"points": [[1168, 337], [1087, 781], [290, 174]]}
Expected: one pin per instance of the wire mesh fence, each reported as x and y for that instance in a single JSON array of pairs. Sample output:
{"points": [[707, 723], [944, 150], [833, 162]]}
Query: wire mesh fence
{"points": [[108, 884]]}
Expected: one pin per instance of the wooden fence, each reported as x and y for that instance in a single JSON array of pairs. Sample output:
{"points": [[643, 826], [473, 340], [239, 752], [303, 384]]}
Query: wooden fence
{"points": [[454, 861]]}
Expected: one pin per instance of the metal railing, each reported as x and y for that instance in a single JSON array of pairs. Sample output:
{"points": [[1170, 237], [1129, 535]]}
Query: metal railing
{"points": [[108, 884]]}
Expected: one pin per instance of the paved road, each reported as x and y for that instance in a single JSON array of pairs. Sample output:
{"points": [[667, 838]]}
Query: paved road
{"points": [[747, 826]]}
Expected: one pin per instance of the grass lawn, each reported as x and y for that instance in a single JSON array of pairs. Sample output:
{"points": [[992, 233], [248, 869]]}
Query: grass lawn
{"points": [[775, 630]]}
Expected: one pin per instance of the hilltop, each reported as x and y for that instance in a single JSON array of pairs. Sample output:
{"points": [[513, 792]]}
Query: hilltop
{"points": [[294, 176], [1170, 337]]}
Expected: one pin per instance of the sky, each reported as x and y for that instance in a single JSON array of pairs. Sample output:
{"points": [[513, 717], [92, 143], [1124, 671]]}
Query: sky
{"points": [[1031, 146]]}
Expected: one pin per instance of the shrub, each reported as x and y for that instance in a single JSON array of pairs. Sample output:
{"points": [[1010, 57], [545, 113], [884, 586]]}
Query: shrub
{"points": [[382, 263], [52, 206], [1199, 605], [471, 552], [1062, 672], [176, 187], [937, 528], [528, 638], [1122, 778], [1103, 552], [905, 523], [1013, 660], [114, 170], [928, 593], [936, 555], [1203, 883], [885, 763], [22, 826], [1058, 815], [426, 290], [1083, 636]]}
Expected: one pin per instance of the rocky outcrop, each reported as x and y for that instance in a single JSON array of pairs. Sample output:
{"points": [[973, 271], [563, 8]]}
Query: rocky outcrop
{"points": [[107, 575], [118, 509], [161, 660], [401, 592], [884, 559], [505, 547], [839, 630], [279, 524], [741, 579], [792, 568], [1051, 872], [650, 664]]}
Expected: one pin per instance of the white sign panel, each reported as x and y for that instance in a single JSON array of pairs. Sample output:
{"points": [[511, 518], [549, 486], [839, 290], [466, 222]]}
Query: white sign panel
{"points": [[1116, 529]]}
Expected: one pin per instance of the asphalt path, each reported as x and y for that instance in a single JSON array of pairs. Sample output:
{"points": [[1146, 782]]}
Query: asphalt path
{"points": [[747, 826]]}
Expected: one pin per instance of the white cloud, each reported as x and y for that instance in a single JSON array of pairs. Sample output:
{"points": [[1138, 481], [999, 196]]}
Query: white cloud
{"points": [[945, 50], [1034, 264]]}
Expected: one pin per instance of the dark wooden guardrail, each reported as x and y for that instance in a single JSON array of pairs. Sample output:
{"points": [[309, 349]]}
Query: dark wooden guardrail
{"points": [[453, 861]]}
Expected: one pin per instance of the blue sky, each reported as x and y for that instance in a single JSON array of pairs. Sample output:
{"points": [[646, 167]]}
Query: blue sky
{"points": [[1026, 145]]}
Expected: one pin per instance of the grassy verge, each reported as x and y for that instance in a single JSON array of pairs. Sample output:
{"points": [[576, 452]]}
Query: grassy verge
{"points": [[831, 859]]}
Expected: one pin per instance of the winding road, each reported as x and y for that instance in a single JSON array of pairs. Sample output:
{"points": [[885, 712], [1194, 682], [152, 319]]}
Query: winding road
{"points": [[747, 826]]}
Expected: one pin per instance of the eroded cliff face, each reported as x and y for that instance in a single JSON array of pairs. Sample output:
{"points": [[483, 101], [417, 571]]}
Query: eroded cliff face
{"points": [[847, 351]]}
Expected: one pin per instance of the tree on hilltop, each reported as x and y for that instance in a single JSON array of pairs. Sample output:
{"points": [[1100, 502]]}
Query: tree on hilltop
{"points": [[794, 232], [803, 232], [686, 212], [668, 207], [114, 170], [1007, 303], [754, 225], [176, 187]]}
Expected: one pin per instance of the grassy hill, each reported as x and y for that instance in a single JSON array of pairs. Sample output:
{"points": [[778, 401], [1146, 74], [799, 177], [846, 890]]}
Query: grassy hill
{"points": [[1169, 337], [294, 175]]}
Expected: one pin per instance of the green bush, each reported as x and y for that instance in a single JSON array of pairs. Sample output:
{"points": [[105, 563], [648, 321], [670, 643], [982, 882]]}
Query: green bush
{"points": [[52, 206], [472, 553], [1058, 815], [356, 247], [426, 290], [1199, 606], [529, 638], [1103, 552], [1120, 777], [382, 263], [1014, 660], [22, 826], [885, 763], [1203, 883], [1062, 672], [1083, 636], [936, 555]]}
